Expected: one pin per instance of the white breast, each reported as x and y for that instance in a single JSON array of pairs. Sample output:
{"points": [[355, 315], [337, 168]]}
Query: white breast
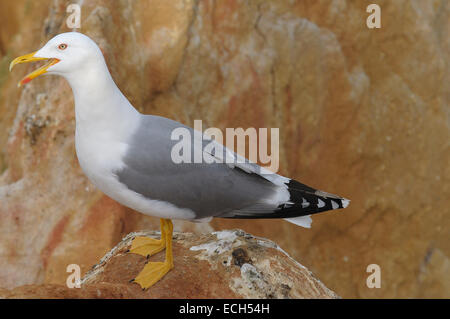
{"points": [[98, 156]]}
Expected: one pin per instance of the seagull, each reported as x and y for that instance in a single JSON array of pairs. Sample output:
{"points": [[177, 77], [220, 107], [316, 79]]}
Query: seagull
{"points": [[128, 156]]}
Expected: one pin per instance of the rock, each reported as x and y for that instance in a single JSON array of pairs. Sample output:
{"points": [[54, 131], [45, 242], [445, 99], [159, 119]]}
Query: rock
{"points": [[225, 264], [362, 113]]}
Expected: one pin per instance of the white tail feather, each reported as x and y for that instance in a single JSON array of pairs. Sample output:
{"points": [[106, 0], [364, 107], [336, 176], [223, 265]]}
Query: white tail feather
{"points": [[304, 221]]}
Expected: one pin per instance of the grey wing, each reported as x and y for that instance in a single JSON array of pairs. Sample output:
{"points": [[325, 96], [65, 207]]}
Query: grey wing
{"points": [[215, 189]]}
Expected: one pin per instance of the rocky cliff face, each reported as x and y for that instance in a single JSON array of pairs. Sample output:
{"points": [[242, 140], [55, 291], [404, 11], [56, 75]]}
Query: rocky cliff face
{"points": [[225, 264], [362, 113]]}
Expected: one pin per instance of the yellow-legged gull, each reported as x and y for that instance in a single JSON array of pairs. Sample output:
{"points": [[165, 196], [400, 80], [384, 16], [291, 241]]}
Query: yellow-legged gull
{"points": [[127, 155]]}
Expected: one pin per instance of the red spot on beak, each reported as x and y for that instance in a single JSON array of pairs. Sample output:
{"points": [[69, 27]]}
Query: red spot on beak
{"points": [[26, 80]]}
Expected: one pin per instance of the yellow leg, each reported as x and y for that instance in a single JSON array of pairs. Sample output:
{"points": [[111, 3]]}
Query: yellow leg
{"points": [[154, 271], [146, 246]]}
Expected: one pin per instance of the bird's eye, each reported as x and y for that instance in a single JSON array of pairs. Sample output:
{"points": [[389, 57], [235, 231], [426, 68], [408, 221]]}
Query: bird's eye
{"points": [[62, 46]]}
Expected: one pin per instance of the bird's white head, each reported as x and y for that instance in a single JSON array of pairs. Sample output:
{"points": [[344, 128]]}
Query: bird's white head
{"points": [[67, 54]]}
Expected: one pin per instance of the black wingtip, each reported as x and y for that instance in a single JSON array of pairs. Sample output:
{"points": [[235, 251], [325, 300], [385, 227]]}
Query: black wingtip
{"points": [[307, 200]]}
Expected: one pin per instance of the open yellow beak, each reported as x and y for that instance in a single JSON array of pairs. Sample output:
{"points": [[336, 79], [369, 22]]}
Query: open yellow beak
{"points": [[30, 58]]}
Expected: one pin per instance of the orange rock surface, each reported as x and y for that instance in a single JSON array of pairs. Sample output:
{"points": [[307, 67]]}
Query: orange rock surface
{"points": [[226, 264], [363, 113]]}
